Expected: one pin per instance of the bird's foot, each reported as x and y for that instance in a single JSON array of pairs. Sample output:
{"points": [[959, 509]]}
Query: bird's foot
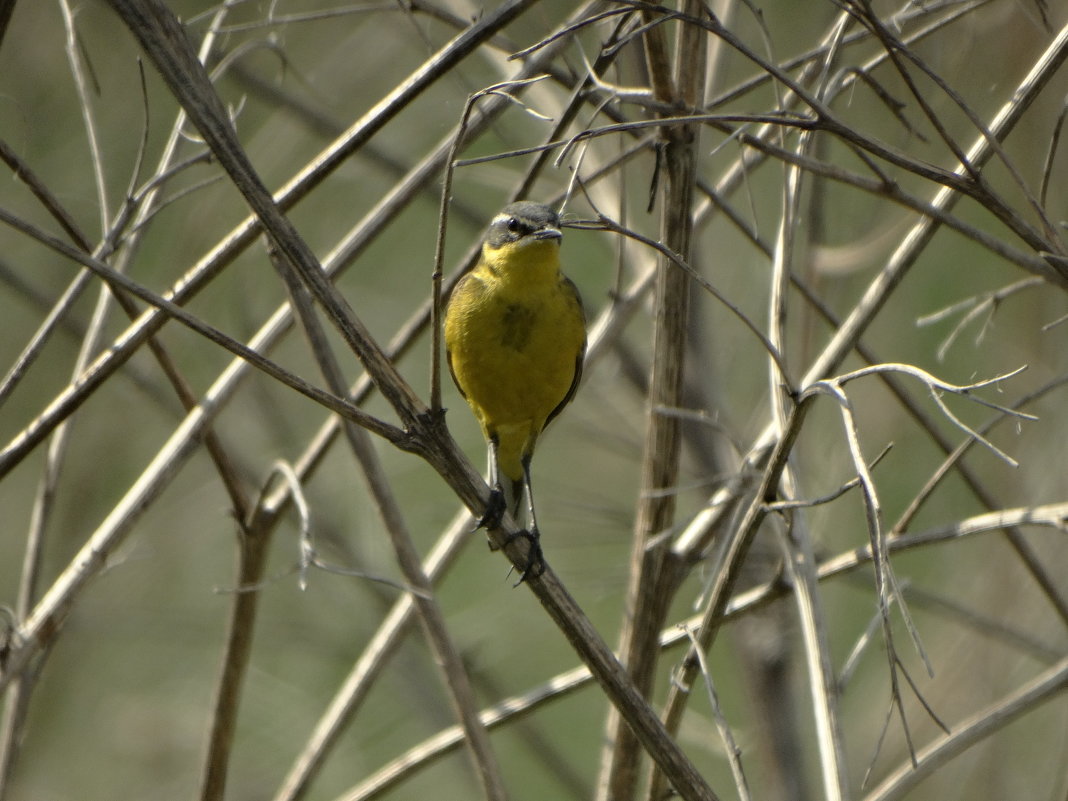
{"points": [[535, 566], [495, 507]]}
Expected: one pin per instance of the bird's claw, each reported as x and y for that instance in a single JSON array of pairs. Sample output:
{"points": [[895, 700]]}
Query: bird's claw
{"points": [[535, 566], [491, 518], [495, 507]]}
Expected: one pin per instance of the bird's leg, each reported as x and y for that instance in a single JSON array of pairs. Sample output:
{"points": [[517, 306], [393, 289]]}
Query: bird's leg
{"points": [[535, 559], [534, 533], [496, 505]]}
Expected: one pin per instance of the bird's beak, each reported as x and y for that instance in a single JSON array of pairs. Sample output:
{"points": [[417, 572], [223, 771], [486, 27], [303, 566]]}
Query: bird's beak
{"points": [[548, 233]]}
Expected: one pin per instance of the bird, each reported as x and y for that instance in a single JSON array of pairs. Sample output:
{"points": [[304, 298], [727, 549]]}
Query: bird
{"points": [[515, 340]]}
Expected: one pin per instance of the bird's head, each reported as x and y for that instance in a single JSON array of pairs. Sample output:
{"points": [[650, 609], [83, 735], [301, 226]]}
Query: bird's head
{"points": [[521, 224]]}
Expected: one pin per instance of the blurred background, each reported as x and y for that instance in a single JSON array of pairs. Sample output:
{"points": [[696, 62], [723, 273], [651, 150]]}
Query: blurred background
{"points": [[121, 700]]}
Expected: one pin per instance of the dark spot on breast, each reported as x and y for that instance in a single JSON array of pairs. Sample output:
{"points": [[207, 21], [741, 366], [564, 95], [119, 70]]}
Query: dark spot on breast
{"points": [[515, 326]]}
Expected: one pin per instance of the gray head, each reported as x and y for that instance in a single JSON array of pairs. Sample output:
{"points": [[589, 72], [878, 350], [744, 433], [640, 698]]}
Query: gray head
{"points": [[521, 220]]}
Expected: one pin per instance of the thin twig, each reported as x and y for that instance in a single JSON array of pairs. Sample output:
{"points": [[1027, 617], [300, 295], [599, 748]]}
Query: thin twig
{"points": [[564, 684], [652, 579], [235, 242], [972, 730], [497, 90], [607, 224], [730, 745], [823, 688], [430, 614]]}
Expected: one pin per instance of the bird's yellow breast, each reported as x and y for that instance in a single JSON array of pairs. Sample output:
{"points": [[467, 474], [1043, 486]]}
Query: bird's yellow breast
{"points": [[515, 333]]}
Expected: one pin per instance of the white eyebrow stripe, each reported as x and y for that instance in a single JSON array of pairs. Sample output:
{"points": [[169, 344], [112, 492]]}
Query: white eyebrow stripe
{"points": [[501, 218]]}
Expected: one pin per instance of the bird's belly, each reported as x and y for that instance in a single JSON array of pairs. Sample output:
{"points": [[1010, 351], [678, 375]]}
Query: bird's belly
{"points": [[517, 363]]}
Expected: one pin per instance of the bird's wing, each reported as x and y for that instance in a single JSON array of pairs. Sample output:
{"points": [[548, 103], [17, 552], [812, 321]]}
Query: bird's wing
{"points": [[456, 290], [573, 291], [452, 372]]}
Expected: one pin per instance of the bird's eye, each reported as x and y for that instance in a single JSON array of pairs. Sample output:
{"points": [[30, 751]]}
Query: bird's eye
{"points": [[513, 224]]}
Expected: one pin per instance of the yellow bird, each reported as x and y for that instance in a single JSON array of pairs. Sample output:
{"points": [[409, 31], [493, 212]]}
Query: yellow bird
{"points": [[515, 337]]}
